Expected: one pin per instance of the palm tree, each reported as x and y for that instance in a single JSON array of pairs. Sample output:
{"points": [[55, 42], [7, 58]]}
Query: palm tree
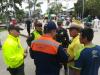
{"points": [[33, 4], [55, 8]]}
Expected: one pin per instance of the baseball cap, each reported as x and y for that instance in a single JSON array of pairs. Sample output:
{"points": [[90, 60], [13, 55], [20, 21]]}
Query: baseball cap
{"points": [[50, 25], [17, 28]]}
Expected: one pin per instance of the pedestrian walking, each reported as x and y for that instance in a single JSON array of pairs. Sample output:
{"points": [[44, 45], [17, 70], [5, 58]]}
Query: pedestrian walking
{"points": [[63, 38], [96, 23], [28, 25], [13, 52], [75, 47], [88, 62], [47, 53]]}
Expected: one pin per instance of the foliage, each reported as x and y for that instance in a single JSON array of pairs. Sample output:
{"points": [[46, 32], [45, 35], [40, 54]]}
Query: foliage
{"points": [[6, 14], [91, 7], [2, 29], [20, 15], [55, 8], [34, 4]]}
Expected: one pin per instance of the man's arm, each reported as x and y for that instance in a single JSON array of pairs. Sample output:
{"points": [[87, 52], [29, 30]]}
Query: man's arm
{"points": [[62, 54], [30, 39]]}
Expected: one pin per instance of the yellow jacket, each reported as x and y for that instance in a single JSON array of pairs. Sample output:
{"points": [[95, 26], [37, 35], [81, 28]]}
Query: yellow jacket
{"points": [[13, 52], [74, 49], [36, 35]]}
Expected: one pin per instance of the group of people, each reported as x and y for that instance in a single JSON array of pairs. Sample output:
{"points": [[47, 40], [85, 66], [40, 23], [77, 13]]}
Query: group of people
{"points": [[51, 48]]}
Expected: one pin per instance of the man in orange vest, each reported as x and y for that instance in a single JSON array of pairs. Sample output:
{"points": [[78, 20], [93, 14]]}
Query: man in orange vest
{"points": [[47, 53]]}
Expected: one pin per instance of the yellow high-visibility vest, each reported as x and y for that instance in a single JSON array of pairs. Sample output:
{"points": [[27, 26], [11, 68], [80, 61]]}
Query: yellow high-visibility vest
{"points": [[36, 35], [74, 50], [13, 52]]}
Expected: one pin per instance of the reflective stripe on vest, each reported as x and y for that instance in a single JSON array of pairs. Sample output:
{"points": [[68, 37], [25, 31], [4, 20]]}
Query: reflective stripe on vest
{"points": [[45, 46]]}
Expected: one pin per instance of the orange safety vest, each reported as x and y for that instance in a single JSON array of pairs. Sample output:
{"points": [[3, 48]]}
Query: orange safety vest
{"points": [[45, 44]]}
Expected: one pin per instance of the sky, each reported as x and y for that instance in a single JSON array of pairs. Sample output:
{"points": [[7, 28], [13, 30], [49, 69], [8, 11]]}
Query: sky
{"points": [[66, 3]]}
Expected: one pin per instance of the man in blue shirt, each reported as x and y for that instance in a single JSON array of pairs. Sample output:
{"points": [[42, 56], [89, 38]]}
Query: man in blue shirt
{"points": [[89, 61]]}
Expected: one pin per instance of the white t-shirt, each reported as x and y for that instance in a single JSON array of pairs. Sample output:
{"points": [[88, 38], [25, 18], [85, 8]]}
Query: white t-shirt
{"points": [[96, 22]]}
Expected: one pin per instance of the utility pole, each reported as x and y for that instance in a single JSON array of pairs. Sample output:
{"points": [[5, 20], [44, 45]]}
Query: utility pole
{"points": [[14, 12], [6, 16], [48, 1], [83, 9], [29, 9]]}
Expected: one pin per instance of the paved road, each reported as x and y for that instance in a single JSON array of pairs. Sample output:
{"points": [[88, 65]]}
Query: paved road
{"points": [[29, 64]]}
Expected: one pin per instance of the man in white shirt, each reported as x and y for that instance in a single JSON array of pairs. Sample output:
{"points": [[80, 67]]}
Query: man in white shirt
{"points": [[96, 23]]}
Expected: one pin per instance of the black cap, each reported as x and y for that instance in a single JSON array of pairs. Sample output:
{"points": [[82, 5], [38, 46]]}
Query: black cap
{"points": [[17, 28], [51, 25]]}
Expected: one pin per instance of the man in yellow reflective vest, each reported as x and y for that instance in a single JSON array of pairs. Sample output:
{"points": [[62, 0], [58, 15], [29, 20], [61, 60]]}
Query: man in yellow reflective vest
{"points": [[36, 33], [13, 52]]}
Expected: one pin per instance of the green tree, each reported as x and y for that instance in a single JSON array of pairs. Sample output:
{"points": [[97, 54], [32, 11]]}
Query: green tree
{"points": [[91, 7], [20, 15], [5, 4], [55, 8], [34, 4]]}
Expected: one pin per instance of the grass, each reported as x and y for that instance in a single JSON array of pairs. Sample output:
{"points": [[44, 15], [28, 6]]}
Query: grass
{"points": [[2, 29]]}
